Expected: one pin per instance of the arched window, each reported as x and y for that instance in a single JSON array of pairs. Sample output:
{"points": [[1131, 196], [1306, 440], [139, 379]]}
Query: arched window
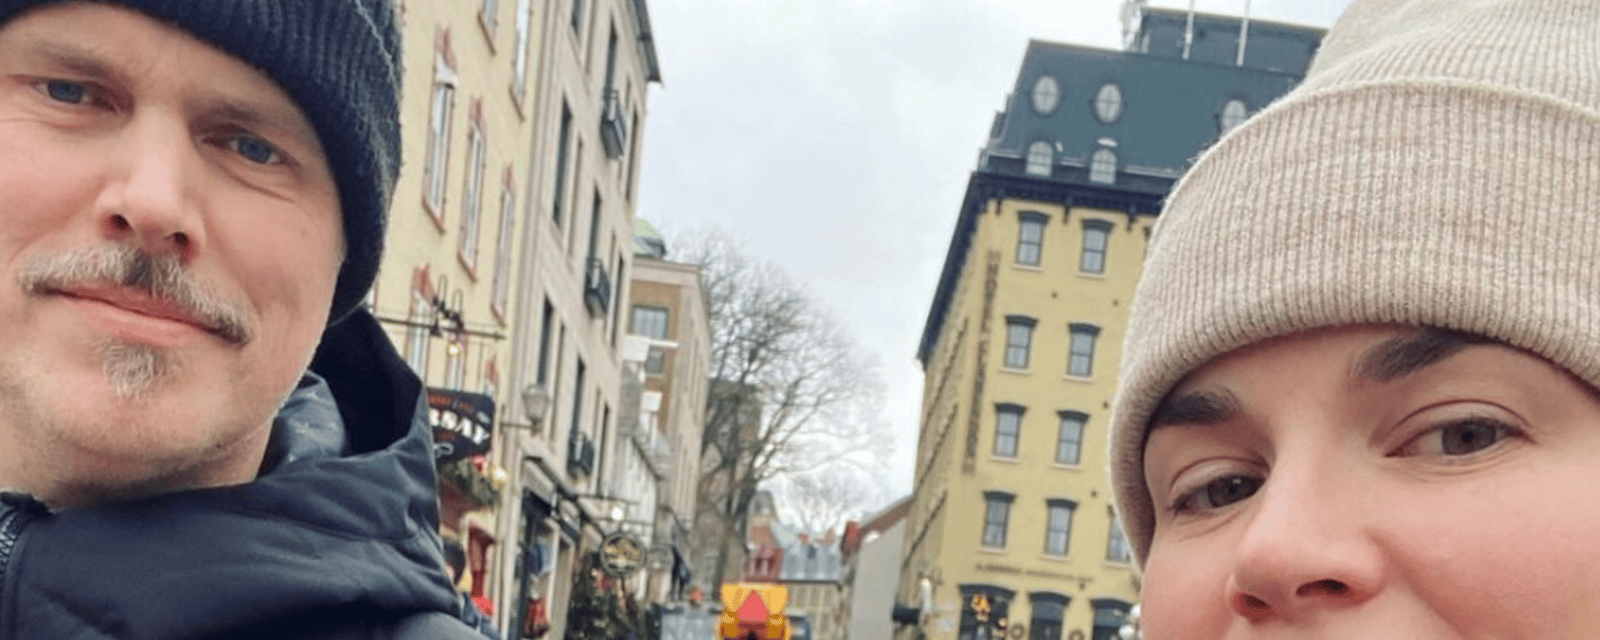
{"points": [[1041, 154], [1233, 113], [1103, 166]]}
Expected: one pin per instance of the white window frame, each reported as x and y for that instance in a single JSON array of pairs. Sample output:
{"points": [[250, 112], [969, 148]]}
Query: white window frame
{"points": [[1092, 259], [472, 195], [519, 57], [1041, 155], [638, 327], [417, 336], [1103, 166], [1030, 250], [1076, 354], [1018, 353], [1075, 421], [436, 158], [1002, 527], [1003, 412], [1058, 540], [502, 258]]}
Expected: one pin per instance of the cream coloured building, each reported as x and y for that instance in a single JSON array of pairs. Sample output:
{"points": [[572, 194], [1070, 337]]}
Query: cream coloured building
{"points": [[508, 252], [449, 275]]}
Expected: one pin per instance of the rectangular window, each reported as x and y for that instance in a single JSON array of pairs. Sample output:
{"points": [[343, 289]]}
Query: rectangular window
{"points": [[1096, 234], [519, 56], [502, 249], [1019, 340], [577, 182], [472, 197], [544, 341], [1069, 440], [655, 363], [1117, 543], [649, 321], [563, 139], [611, 61], [1080, 360], [1030, 238], [436, 158], [417, 335], [577, 400], [488, 13], [594, 224], [1047, 609], [1058, 532], [633, 153], [1007, 430], [996, 515]]}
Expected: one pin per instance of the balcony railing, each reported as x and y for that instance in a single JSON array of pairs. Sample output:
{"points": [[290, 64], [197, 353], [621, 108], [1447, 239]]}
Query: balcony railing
{"points": [[580, 454], [597, 288], [613, 131]]}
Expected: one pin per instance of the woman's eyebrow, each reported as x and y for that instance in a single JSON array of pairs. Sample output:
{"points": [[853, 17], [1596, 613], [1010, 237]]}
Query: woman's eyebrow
{"points": [[1404, 355], [1199, 407]]}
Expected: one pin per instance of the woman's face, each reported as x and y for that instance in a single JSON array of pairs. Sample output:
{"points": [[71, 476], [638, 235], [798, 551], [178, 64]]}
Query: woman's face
{"points": [[1375, 482]]}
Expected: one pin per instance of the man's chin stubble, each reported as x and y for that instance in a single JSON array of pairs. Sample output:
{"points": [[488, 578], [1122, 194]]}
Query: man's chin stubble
{"points": [[134, 370]]}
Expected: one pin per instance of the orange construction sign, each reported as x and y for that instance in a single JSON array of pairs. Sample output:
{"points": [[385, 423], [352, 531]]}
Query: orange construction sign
{"points": [[753, 612]]}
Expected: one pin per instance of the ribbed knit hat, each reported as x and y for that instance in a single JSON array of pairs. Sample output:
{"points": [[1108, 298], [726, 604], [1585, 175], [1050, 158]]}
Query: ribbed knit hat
{"points": [[340, 62], [1439, 166]]}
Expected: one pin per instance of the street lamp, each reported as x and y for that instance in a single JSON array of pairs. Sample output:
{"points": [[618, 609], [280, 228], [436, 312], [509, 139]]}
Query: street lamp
{"points": [[535, 404]]}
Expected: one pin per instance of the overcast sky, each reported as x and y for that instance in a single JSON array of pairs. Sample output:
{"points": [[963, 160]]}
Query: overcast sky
{"points": [[836, 136]]}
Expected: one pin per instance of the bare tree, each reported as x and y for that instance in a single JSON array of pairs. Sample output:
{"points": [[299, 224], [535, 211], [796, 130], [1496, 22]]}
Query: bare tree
{"points": [[790, 390], [821, 501]]}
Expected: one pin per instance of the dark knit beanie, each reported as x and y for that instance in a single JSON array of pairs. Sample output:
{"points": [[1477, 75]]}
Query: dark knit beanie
{"points": [[340, 62]]}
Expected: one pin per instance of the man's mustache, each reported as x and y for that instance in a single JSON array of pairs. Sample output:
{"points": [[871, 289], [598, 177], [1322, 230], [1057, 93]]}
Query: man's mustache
{"points": [[162, 278]]}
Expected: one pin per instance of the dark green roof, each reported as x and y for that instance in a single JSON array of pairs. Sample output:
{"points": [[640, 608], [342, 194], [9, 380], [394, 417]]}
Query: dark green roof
{"points": [[1171, 110]]}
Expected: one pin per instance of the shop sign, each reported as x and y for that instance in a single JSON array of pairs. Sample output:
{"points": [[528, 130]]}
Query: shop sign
{"points": [[463, 423]]}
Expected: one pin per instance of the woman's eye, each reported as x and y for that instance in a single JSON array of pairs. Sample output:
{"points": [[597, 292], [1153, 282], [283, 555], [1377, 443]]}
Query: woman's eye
{"points": [[64, 91], [1217, 493], [254, 149], [1461, 438]]}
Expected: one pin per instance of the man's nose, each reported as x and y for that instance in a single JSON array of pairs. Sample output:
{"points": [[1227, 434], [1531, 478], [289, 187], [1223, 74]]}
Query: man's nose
{"points": [[1306, 548], [151, 197]]}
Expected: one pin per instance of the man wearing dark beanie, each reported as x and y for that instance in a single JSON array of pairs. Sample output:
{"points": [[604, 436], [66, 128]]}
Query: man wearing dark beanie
{"points": [[202, 433]]}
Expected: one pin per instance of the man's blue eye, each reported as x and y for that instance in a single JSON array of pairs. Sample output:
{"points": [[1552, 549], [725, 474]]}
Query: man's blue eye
{"points": [[69, 92], [255, 149]]}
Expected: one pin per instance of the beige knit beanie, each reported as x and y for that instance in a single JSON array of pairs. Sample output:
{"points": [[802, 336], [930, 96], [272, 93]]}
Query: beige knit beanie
{"points": [[1439, 165]]}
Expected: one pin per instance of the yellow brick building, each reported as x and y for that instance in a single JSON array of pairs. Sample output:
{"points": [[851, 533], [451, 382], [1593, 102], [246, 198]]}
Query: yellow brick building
{"points": [[1012, 531]]}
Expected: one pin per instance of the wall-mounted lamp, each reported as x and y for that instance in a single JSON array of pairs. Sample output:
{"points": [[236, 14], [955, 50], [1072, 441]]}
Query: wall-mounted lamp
{"points": [[535, 404]]}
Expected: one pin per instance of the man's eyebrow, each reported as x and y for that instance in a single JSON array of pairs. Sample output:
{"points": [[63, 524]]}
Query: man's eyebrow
{"points": [[254, 113], [1202, 407], [73, 57], [1404, 355]]}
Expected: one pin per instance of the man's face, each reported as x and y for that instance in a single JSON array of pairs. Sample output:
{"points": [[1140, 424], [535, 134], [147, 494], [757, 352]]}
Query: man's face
{"points": [[169, 242], [1375, 482]]}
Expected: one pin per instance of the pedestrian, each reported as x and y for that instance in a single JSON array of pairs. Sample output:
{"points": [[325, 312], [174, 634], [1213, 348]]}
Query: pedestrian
{"points": [[1359, 387], [202, 432]]}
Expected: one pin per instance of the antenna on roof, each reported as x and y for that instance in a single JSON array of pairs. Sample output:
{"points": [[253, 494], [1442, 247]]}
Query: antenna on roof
{"points": [[1244, 33], [1188, 32]]}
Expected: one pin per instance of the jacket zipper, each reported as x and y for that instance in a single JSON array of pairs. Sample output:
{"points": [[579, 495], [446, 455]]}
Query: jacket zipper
{"points": [[16, 511]]}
